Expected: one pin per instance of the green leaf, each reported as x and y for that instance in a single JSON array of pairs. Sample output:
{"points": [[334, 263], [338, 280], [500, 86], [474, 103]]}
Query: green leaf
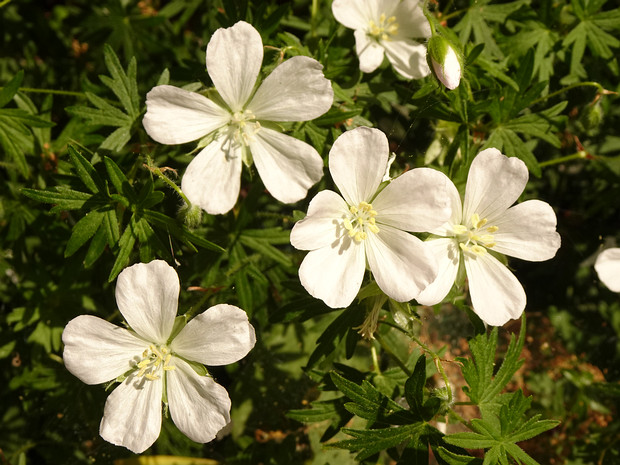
{"points": [[118, 139], [84, 230], [119, 180], [320, 411], [122, 84], [267, 250], [23, 116], [475, 22], [16, 141], [62, 197], [105, 113], [478, 372], [10, 89], [414, 388], [97, 246], [126, 243], [336, 333], [540, 125], [452, 458], [370, 442], [179, 230], [591, 32], [85, 171], [239, 260], [502, 424], [370, 404]]}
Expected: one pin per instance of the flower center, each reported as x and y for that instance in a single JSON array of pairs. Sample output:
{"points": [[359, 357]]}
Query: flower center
{"points": [[385, 29], [245, 126], [361, 220], [476, 237], [154, 359]]}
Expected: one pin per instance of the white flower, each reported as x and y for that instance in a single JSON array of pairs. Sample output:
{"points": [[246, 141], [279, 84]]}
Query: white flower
{"points": [[608, 268], [387, 26], [487, 222], [155, 365], [445, 62], [295, 91], [368, 225]]}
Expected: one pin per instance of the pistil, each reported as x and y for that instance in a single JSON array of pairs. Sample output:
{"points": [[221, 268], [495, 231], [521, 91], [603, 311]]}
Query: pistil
{"points": [[385, 29], [361, 220], [477, 238], [154, 359]]}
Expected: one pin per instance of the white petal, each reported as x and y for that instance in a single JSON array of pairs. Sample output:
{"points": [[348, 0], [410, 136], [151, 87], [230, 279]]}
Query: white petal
{"points": [[198, 405], [411, 20], [447, 253], [132, 414], [147, 294], [220, 335], [449, 72], [415, 201], [456, 211], [322, 225], [295, 91], [400, 263], [213, 177], [407, 57], [494, 183], [334, 273], [369, 52], [527, 231], [97, 351], [234, 58], [287, 166], [354, 14], [608, 268], [496, 295], [357, 162], [176, 116]]}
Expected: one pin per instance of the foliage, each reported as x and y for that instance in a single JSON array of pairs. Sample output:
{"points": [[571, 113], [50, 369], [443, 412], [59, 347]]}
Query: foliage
{"points": [[85, 192]]}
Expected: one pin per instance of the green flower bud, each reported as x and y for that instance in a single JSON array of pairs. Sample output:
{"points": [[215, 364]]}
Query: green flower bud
{"points": [[444, 62], [192, 216]]}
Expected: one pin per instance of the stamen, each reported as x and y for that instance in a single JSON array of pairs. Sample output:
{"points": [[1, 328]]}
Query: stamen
{"points": [[154, 359], [361, 220], [244, 126], [386, 28], [478, 238], [459, 229]]}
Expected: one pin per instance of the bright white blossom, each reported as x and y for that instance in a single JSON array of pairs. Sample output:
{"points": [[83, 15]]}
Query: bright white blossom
{"points": [[387, 27], [608, 268], [487, 223], [152, 363], [368, 226], [296, 90], [445, 62]]}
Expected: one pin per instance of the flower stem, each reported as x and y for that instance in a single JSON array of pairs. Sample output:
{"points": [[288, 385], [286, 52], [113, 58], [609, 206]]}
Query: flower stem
{"points": [[582, 154], [375, 359], [601, 90], [314, 11], [458, 417], [159, 173], [49, 91], [438, 365], [388, 351]]}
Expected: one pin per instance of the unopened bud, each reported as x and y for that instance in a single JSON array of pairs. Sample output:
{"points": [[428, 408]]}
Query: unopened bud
{"points": [[444, 62], [192, 216], [593, 116]]}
